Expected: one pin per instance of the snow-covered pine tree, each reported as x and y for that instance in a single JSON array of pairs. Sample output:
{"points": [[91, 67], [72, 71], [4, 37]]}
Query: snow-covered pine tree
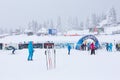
{"points": [[33, 25], [76, 24], [81, 26], [70, 23], [45, 25], [1, 31], [111, 16], [87, 23], [73, 23], [51, 24], [93, 21], [102, 17], [59, 25]]}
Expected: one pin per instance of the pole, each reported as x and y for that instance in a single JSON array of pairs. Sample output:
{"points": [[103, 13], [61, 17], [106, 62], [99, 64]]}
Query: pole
{"points": [[46, 53], [46, 60], [54, 58]]}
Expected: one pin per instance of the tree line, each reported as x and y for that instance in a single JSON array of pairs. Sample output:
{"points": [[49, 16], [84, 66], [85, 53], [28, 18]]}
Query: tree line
{"points": [[72, 23]]}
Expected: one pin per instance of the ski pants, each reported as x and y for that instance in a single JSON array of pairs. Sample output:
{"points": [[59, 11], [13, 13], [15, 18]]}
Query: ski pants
{"points": [[93, 51], [30, 56]]}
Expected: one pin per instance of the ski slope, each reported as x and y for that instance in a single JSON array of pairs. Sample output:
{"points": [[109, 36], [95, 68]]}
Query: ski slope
{"points": [[80, 65]]}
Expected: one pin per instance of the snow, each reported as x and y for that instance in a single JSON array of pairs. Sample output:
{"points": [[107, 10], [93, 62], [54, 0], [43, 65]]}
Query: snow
{"points": [[104, 22], [28, 30], [80, 65], [43, 30], [55, 39], [77, 32], [110, 30], [25, 38]]}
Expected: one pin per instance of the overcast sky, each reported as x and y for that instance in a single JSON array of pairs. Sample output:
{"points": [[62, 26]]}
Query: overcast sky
{"points": [[15, 13]]}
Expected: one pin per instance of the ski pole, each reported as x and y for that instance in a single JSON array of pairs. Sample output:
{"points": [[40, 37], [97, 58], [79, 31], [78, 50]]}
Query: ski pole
{"points": [[54, 58], [46, 59]]}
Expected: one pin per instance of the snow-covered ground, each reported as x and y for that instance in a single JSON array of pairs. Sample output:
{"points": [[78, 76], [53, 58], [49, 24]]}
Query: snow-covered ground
{"points": [[56, 39], [80, 65]]}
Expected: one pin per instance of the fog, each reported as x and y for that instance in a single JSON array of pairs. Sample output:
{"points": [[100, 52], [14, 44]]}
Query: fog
{"points": [[18, 13]]}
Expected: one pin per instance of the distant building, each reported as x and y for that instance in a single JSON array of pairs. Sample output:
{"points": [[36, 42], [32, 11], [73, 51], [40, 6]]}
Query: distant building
{"points": [[116, 32], [28, 32], [52, 31], [76, 32], [42, 31], [98, 30]]}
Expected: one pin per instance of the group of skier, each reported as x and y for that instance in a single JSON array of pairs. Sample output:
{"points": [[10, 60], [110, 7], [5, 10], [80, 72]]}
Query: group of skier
{"points": [[109, 47], [84, 46], [88, 46], [31, 50], [92, 47]]}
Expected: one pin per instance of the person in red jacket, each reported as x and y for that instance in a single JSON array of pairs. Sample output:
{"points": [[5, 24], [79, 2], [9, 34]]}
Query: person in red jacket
{"points": [[92, 47]]}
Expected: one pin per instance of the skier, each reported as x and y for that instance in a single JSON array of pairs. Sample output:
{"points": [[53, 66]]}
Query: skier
{"points": [[13, 49], [85, 46], [111, 45], [88, 46], [117, 48], [107, 46], [82, 47], [69, 48], [92, 47], [31, 50]]}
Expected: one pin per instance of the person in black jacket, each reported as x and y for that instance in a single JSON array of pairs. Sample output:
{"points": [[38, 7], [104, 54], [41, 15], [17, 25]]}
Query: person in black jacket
{"points": [[117, 48], [13, 49], [107, 46]]}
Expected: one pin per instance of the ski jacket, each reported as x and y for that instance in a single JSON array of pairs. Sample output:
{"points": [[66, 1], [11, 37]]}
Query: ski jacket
{"points": [[69, 47], [88, 45], [111, 45], [92, 46], [30, 47]]}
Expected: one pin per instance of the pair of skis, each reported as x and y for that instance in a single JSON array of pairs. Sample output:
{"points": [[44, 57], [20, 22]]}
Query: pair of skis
{"points": [[50, 57]]}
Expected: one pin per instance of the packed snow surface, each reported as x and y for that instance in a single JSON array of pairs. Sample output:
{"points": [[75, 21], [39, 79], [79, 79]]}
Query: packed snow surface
{"points": [[79, 65]]}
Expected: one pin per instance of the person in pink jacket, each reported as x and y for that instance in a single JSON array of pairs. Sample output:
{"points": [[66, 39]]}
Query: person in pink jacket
{"points": [[92, 47]]}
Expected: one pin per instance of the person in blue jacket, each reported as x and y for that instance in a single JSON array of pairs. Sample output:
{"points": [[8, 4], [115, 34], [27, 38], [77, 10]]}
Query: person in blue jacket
{"points": [[30, 50], [88, 46], [111, 45], [69, 48]]}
